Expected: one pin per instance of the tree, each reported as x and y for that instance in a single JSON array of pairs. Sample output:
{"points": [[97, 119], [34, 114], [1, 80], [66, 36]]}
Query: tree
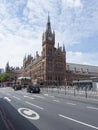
{"points": [[4, 77]]}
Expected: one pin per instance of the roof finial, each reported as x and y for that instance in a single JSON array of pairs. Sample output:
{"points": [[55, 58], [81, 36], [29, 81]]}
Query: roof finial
{"points": [[48, 17], [58, 44], [48, 26], [64, 48]]}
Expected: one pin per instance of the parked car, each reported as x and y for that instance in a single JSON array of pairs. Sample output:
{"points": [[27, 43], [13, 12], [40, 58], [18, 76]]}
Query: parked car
{"points": [[16, 87], [35, 88]]}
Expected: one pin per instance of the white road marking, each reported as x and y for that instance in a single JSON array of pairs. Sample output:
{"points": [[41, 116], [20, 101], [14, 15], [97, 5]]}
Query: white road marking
{"points": [[28, 113], [70, 103], [94, 108], [56, 100], [8, 94], [91, 126], [29, 97], [48, 95], [38, 96], [8, 99], [34, 105], [17, 98]]}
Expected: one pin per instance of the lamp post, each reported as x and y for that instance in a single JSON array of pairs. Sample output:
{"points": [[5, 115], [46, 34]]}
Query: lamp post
{"points": [[78, 84], [86, 91], [0, 82], [65, 80], [15, 79]]}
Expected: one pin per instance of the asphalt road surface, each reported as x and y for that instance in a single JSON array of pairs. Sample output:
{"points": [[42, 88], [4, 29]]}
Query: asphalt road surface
{"points": [[20, 110]]}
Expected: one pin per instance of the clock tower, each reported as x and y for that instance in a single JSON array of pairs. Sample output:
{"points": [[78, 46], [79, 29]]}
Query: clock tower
{"points": [[48, 36], [48, 43]]}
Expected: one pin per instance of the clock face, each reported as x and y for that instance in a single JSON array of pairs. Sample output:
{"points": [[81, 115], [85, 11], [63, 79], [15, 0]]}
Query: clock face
{"points": [[49, 38]]}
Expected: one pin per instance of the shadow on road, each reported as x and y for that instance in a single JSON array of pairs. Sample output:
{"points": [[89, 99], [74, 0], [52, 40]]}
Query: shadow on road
{"points": [[10, 119]]}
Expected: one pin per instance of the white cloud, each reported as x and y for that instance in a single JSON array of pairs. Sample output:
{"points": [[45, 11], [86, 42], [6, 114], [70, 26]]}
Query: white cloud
{"points": [[16, 49], [82, 58], [23, 22], [74, 3]]}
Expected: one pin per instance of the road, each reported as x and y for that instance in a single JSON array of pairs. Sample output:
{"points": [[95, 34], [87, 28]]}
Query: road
{"points": [[45, 111]]}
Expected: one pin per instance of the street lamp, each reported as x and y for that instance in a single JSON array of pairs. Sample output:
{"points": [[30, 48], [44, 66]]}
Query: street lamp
{"points": [[65, 84], [78, 83]]}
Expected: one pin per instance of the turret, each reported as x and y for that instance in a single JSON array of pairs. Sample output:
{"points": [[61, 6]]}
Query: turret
{"points": [[64, 48], [7, 68]]}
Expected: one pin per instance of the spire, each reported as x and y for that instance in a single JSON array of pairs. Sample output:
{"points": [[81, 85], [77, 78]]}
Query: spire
{"points": [[48, 18], [48, 26], [58, 44], [64, 48], [7, 68], [24, 59], [7, 64]]}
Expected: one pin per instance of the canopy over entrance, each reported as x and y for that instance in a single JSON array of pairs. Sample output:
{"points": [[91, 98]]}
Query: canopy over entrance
{"points": [[24, 77], [24, 81]]}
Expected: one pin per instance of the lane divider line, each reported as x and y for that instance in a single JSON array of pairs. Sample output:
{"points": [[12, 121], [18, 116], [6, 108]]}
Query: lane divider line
{"points": [[48, 95], [34, 105], [8, 94], [94, 108], [56, 100], [29, 97], [38, 96], [91, 126], [69, 103], [17, 98]]}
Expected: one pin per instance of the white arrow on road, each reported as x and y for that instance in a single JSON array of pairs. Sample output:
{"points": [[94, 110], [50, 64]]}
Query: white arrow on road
{"points": [[8, 99]]}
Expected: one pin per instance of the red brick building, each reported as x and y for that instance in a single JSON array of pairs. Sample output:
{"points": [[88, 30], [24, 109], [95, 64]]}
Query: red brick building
{"points": [[51, 68]]}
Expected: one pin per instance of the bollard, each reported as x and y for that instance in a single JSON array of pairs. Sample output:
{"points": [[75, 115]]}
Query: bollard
{"points": [[65, 91], [47, 89], [58, 89], [74, 92], [86, 92]]}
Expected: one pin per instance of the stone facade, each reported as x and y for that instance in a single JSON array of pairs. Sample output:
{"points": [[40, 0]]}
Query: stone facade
{"points": [[51, 68]]}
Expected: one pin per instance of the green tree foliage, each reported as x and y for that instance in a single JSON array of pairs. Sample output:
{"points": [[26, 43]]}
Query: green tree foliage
{"points": [[4, 77]]}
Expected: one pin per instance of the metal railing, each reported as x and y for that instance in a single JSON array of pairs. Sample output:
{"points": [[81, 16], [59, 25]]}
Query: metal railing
{"points": [[71, 91]]}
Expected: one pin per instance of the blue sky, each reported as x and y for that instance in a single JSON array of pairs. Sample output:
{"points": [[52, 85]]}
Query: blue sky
{"points": [[22, 23]]}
